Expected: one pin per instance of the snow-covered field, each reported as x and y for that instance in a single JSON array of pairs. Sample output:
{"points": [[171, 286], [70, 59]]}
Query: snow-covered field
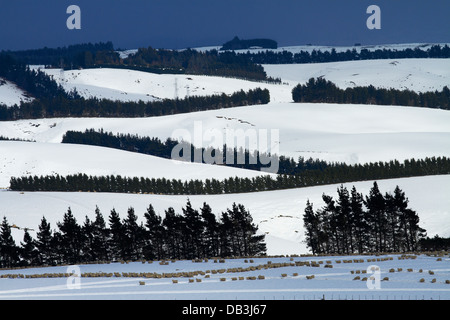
{"points": [[420, 75], [131, 85], [274, 279], [344, 133]]}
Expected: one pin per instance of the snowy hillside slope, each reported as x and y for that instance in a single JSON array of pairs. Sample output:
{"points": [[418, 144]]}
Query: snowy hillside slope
{"points": [[420, 75], [278, 213], [27, 158], [10, 94], [348, 133], [131, 85]]}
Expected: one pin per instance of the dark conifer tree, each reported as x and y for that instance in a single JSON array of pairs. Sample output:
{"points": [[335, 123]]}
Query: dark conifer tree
{"points": [[376, 206], [211, 245], [117, 236], [72, 242], [359, 220], [226, 238], [311, 224], [44, 243], [155, 234], [28, 252], [173, 225], [134, 237], [87, 238], [100, 237], [9, 252], [193, 231], [345, 219]]}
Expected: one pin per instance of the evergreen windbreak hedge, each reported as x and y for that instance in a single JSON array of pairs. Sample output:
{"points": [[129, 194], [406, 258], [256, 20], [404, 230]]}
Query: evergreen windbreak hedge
{"points": [[354, 223], [330, 175], [323, 91], [191, 234], [64, 107], [158, 148], [322, 56]]}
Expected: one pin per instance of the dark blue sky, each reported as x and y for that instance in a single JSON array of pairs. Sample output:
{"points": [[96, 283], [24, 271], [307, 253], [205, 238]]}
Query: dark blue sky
{"points": [[26, 24]]}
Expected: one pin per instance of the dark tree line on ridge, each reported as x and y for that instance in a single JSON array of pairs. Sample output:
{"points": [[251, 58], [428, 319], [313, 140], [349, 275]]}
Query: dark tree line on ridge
{"points": [[213, 63], [330, 175], [322, 56], [155, 147], [321, 90], [353, 223], [192, 234], [71, 56], [240, 44], [76, 106], [89, 55]]}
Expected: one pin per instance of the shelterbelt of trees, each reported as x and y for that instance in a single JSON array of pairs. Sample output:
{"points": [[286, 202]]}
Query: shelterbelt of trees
{"points": [[191, 234], [156, 147], [338, 173], [321, 90], [354, 223]]}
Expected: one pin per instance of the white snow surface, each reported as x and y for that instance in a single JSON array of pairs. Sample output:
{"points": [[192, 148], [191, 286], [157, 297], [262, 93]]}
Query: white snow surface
{"points": [[343, 281], [131, 85], [11, 95], [420, 75]]}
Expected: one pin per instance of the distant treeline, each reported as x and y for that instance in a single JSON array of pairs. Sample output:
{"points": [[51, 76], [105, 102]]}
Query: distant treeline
{"points": [[189, 61], [321, 90], [72, 56], [214, 63], [354, 223], [35, 82], [239, 44], [155, 147], [319, 56], [76, 106], [436, 243], [193, 234], [341, 173], [2, 138]]}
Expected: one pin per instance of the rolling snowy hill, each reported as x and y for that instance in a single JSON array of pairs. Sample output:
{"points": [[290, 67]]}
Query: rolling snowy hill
{"points": [[345, 133], [418, 75], [27, 158], [131, 85]]}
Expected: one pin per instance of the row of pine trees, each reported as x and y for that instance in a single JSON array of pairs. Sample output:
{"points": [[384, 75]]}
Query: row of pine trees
{"points": [[321, 90], [308, 173], [73, 105], [354, 223], [191, 234]]}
